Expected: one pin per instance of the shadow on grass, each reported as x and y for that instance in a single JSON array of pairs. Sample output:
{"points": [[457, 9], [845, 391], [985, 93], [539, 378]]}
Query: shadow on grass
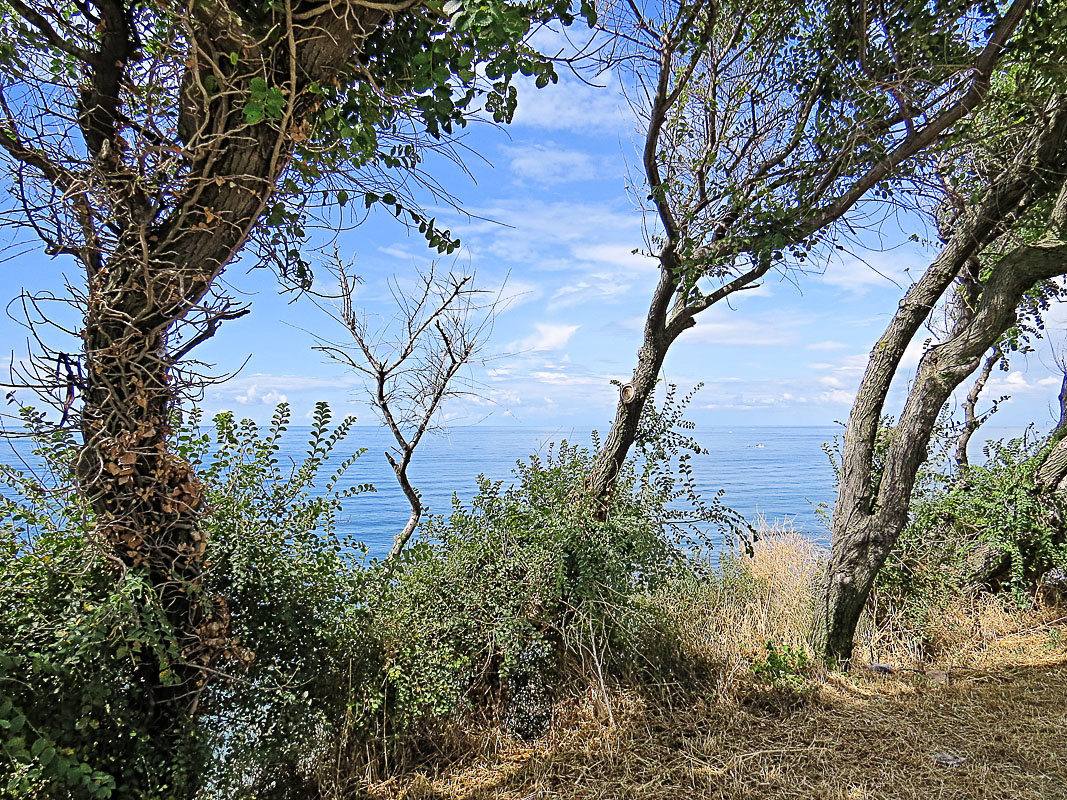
{"points": [[992, 734]]}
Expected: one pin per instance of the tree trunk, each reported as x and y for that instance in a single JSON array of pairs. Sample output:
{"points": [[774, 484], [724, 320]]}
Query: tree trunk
{"points": [[865, 528], [401, 539], [971, 420], [634, 395], [868, 519], [146, 502]]}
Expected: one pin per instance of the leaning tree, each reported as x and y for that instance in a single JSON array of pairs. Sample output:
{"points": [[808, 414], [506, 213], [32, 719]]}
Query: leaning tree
{"points": [[774, 131], [1000, 251], [150, 143]]}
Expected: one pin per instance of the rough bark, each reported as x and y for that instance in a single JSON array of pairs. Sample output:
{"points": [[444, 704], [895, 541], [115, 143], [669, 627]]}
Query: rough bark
{"points": [[149, 264], [862, 539], [867, 520], [633, 396]]}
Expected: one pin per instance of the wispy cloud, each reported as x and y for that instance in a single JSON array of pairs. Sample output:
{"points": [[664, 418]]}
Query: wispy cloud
{"points": [[827, 345], [549, 164], [548, 336], [596, 288], [720, 325], [574, 106], [875, 271]]}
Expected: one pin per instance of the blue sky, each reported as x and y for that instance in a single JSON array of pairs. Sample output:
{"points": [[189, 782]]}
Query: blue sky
{"points": [[555, 220]]}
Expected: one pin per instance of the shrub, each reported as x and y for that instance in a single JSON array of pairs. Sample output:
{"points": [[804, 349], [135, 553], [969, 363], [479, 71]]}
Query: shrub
{"points": [[296, 589], [783, 668], [988, 526], [70, 706], [70, 709], [528, 586]]}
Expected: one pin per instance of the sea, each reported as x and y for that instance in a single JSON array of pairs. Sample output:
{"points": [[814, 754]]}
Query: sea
{"points": [[780, 475]]}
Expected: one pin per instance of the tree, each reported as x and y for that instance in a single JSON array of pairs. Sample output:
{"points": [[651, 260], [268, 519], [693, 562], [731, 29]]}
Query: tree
{"points": [[972, 420], [151, 143], [766, 123], [413, 361], [1002, 248]]}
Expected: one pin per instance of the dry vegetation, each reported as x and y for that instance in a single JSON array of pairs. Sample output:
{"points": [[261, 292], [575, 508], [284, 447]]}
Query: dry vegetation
{"points": [[976, 708]]}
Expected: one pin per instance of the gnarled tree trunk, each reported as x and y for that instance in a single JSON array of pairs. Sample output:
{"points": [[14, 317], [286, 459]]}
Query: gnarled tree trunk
{"points": [[867, 525], [868, 519]]}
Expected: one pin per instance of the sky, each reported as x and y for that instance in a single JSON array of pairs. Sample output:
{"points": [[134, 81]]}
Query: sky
{"points": [[552, 221]]}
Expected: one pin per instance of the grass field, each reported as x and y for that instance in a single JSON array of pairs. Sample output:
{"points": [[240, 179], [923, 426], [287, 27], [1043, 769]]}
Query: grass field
{"points": [[976, 709]]}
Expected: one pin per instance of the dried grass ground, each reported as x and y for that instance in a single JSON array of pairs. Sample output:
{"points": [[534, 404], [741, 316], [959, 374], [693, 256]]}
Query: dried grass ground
{"points": [[981, 715]]}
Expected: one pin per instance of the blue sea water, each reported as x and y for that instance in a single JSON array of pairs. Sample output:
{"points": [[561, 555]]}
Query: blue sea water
{"points": [[781, 474]]}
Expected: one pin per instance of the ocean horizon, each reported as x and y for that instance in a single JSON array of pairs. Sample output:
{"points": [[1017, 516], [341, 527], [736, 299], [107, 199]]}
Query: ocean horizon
{"points": [[776, 473]]}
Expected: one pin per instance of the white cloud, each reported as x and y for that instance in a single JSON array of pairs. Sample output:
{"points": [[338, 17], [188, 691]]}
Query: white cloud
{"points": [[720, 325], [256, 397], [874, 271], [549, 336], [837, 396], [572, 105], [562, 379], [548, 163], [1016, 381], [615, 255], [598, 287], [293, 383], [399, 251]]}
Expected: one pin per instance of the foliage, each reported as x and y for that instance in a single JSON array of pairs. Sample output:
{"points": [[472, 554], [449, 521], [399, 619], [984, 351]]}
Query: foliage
{"points": [[529, 585], [664, 450], [293, 586], [988, 524], [785, 667], [70, 723], [334, 661]]}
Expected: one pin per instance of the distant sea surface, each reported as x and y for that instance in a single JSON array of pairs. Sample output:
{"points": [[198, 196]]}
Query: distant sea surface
{"points": [[781, 474], [778, 473]]}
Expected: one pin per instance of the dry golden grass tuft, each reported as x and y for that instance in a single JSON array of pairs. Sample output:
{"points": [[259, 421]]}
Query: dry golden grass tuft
{"points": [[977, 710]]}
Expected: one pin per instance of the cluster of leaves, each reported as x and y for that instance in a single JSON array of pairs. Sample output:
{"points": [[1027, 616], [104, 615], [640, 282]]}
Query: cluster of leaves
{"points": [[489, 613], [988, 525], [530, 585], [70, 720], [430, 71], [295, 587], [663, 451], [70, 713], [519, 571], [784, 668]]}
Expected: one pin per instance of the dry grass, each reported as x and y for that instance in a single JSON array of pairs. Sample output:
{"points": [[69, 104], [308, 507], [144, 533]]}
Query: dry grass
{"points": [[978, 710]]}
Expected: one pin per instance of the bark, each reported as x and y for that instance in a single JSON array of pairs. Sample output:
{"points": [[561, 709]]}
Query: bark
{"points": [[1061, 423], [1052, 473], [868, 520], [862, 539], [146, 499], [677, 54], [633, 396], [401, 539]]}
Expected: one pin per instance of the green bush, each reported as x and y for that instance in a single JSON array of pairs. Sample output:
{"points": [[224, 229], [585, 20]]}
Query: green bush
{"points": [[988, 525], [528, 586], [70, 710], [296, 590], [489, 616], [70, 707], [784, 668]]}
